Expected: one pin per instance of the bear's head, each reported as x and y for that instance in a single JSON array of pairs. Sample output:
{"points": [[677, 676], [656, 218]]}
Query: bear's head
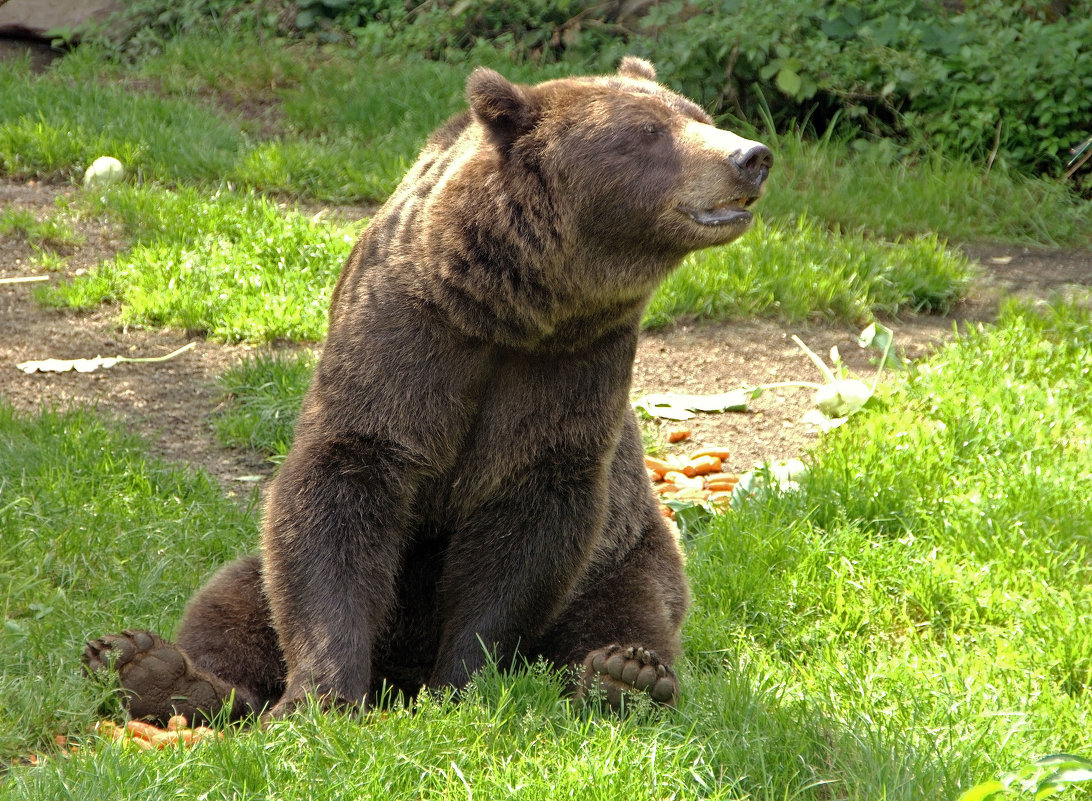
{"points": [[636, 169]]}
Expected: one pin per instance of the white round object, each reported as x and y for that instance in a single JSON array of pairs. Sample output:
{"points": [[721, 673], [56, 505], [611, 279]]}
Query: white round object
{"points": [[103, 170]]}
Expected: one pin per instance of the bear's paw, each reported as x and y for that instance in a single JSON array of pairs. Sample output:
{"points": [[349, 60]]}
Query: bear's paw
{"points": [[615, 672], [157, 679]]}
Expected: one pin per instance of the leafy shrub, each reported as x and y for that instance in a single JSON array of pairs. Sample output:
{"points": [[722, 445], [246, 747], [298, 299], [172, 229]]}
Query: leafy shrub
{"points": [[989, 78]]}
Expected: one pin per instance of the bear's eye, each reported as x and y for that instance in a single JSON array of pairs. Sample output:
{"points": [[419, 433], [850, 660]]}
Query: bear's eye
{"points": [[652, 129]]}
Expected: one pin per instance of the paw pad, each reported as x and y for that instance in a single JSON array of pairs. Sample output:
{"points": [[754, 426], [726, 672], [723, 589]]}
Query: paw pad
{"points": [[617, 671], [157, 680]]}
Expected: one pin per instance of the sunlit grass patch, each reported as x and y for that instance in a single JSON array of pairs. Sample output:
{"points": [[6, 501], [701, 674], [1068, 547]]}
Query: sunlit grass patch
{"points": [[93, 535], [263, 397], [236, 266], [799, 270], [52, 232], [233, 266], [879, 190], [54, 128], [930, 583]]}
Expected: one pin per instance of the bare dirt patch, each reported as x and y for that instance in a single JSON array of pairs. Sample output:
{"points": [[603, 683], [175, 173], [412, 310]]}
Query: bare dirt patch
{"points": [[171, 404]]}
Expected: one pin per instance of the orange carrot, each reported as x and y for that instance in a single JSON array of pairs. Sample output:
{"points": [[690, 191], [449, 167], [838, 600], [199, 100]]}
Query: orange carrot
{"points": [[701, 466], [720, 499], [142, 730], [125, 738], [721, 484], [658, 466], [678, 434], [720, 453], [177, 737], [682, 481], [109, 730], [177, 722], [691, 494]]}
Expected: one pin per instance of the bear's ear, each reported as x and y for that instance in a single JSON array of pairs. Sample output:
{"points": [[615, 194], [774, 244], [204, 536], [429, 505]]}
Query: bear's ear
{"points": [[633, 67], [504, 108]]}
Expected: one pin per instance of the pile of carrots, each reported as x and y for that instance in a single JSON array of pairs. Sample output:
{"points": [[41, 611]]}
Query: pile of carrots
{"points": [[136, 734], [698, 478], [145, 736]]}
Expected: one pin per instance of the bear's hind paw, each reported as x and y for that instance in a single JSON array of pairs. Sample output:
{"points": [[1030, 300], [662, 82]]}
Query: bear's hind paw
{"points": [[614, 672], [157, 678]]}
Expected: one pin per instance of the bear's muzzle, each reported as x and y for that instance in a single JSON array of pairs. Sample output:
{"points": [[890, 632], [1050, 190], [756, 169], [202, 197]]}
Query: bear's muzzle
{"points": [[729, 176]]}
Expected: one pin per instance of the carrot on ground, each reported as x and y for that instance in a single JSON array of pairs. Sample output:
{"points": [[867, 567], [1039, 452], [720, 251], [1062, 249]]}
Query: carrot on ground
{"points": [[720, 498], [678, 434], [176, 737], [142, 730], [692, 494], [658, 466], [702, 465], [682, 481], [721, 484], [720, 453]]}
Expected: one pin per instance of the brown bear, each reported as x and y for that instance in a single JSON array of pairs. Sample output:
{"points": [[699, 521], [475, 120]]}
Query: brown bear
{"points": [[466, 480]]}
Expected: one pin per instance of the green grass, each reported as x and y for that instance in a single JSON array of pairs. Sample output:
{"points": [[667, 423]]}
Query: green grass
{"points": [[910, 622], [232, 265], [875, 189], [264, 394], [237, 266], [52, 232], [53, 128], [91, 532], [210, 127], [933, 578], [303, 121], [797, 271], [55, 125]]}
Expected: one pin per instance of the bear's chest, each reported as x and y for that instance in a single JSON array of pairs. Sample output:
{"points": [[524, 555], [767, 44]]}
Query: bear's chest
{"points": [[534, 423]]}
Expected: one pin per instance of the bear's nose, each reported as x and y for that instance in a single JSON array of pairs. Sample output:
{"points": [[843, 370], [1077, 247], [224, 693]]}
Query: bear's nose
{"points": [[753, 163]]}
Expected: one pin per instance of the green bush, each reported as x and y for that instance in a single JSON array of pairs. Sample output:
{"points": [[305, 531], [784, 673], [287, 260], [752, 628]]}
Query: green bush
{"points": [[991, 77]]}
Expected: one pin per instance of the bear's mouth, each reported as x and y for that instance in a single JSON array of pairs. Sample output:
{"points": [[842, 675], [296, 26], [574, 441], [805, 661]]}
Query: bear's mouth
{"points": [[723, 213]]}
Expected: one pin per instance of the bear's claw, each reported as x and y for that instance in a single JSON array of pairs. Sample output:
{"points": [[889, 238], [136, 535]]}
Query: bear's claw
{"points": [[615, 672], [157, 678]]}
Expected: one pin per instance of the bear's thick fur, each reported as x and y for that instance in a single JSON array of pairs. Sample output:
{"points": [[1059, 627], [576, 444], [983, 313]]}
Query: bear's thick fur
{"points": [[467, 472]]}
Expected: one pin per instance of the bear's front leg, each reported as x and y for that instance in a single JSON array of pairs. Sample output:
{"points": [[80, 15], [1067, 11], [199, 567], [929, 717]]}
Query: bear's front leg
{"points": [[509, 572], [334, 538]]}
